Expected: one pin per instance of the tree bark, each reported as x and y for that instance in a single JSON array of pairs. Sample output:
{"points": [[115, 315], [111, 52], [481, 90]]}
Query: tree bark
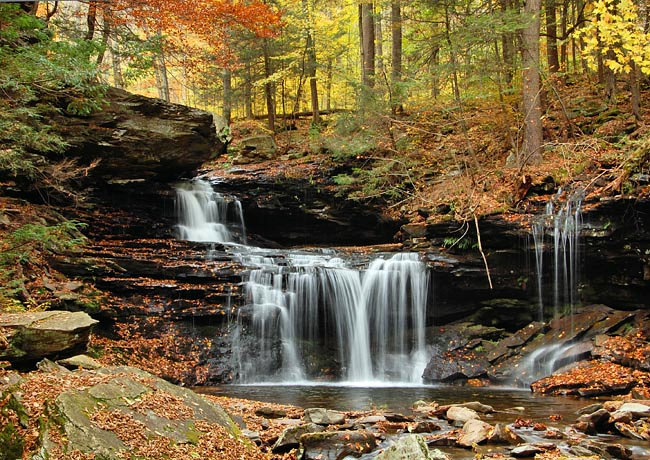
{"points": [[379, 45], [396, 48], [508, 46], [268, 86], [116, 61], [531, 152], [368, 40], [248, 91], [635, 93], [328, 86], [227, 95], [160, 69], [551, 36], [311, 62], [91, 20]]}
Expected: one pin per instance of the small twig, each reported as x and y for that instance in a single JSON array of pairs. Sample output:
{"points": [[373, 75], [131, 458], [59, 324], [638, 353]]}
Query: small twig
{"points": [[480, 248]]}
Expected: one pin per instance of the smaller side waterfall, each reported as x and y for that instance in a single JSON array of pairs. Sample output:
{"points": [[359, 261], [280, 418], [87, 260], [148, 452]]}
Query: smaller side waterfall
{"points": [[203, 214], [559, 228]]}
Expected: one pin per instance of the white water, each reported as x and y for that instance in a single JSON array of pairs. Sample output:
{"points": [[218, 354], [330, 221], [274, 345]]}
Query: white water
{"points": [[307, 308], [203, 214], [559, 227]]}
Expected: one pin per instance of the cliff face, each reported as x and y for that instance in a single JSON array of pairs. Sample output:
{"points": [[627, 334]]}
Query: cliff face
{"points": [[140, 138]]}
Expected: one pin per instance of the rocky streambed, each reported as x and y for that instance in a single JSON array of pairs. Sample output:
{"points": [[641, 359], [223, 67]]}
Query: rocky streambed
{"points": [[80, 409]]}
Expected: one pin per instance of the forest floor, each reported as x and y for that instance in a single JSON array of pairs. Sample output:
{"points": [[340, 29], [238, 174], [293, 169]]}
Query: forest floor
{"points": [[462, 163]]}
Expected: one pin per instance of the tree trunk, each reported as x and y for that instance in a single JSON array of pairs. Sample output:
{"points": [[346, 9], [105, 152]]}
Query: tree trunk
{"points": [[635, 92], [379, 46], [268, 86], [396, 47], [227, 95], [248, 91], [116, 61], [435, 80], [106, 16], [91, 20], [328, 86], [368, 40], [160, 69], [564, 57], [551, 36], [532, 147], [311, 62], [508, 46]]}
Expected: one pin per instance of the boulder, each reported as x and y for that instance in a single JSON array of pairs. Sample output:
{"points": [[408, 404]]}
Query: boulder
{"points": [[636, 409], [262, 146], [461, 414], [335, 445], [290, 437], [474, 432], [141, 138], [270, 412], [526, 451], [80, 361], [33, 336], [476, 406], [115, 412], [503, 434], [410, 447], [322, 416]]}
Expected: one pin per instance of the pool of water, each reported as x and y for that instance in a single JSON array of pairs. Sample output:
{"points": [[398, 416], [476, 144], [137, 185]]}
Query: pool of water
{"points": [[506, 401]]}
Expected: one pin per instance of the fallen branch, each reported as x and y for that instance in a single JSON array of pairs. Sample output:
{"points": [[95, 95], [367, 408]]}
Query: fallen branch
{"points": [[480, 248]]}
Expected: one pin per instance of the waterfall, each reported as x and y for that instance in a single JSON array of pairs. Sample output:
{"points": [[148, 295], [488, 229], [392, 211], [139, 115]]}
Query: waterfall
{"points": [[559, 227], [310, 314], [373, 318], [203, 214]]}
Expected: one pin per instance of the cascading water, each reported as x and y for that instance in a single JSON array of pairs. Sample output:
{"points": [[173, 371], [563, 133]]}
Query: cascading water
{"points": [[374, 319], [203, 214], [560, 227], [307, 310]]}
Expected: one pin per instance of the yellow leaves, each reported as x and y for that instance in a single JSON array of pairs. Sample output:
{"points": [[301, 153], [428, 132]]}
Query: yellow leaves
{"points": [[615, 32]]}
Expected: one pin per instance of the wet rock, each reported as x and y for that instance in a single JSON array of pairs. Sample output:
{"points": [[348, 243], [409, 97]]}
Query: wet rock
{"points": [[424, 427], [590, 409], [398, 418], [80, 361], [526, 451], [474, 432], [335, 445], [628, 430], [322, 416], [410, 447], [444, 439], [290, 437], [596, 422], [371, 419], [607, 450], [461, 414], [476, 406], [621, 417], [417, 230], [452, 366], [503, 434], [32, 336], [270, 412], [636, 409]]}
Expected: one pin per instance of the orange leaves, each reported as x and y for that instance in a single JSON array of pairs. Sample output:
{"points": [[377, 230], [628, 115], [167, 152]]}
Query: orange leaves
{"points": [[207, 21]]}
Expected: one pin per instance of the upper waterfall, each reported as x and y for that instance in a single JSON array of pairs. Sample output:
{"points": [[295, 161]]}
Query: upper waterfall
{"points": [[203, 214]]}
